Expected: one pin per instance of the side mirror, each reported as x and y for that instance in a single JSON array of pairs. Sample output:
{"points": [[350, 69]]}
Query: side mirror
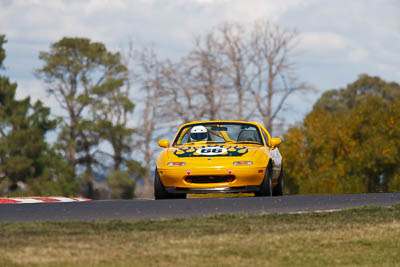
{"points": [[275, 142], [163, 143]]}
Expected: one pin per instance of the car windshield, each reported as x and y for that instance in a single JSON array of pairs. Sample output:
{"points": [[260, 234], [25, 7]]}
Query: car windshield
{"points": [[219, 133]]}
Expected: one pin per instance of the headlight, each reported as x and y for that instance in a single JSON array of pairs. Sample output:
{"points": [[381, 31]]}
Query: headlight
{"points": [[243, 163], [176, 164]]}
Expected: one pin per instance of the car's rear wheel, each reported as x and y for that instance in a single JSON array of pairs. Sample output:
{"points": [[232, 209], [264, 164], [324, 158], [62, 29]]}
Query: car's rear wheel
{"points": [[278, 189], [161, 193], [266, 186]]}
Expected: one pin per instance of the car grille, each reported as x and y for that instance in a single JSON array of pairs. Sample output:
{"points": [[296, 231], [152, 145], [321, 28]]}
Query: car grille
{"points": [[205, 179]]}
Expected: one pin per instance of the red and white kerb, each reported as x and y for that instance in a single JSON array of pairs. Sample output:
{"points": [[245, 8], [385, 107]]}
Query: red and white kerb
{"points": [[41, 200]]}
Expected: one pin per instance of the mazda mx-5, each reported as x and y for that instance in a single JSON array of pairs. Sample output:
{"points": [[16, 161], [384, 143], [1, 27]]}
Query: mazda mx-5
{"points": [[219, 157]]}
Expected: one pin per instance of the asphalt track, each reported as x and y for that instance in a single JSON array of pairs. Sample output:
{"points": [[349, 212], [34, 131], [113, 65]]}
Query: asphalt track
{"points": [[152, 209]]}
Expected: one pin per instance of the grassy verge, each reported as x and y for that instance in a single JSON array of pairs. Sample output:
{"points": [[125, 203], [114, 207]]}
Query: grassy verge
{"points": [[367, 236]]}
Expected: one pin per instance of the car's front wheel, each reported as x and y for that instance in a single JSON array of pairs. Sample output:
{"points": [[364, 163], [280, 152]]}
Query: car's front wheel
{"points": [[160, 192], [266, 186]]}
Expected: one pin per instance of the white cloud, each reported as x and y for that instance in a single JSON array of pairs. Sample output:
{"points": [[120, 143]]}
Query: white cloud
{"points": [[326, 44], [109, 20], [322, 41], [357, 54]]}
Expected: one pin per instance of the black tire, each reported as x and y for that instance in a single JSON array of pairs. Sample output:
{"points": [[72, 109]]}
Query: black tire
{"points": [[161, 193], [266, 185], [279, 188]]}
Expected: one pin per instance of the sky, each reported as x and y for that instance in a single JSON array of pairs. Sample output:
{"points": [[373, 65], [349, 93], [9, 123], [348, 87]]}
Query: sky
{"points": [[338, 40]]}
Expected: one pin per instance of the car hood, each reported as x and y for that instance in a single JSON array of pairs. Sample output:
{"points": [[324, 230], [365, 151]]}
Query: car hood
{"points": [[212, 150]]}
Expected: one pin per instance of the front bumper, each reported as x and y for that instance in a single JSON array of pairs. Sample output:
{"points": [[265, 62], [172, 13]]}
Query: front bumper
{"points": [[241, 189], [245, 179]]}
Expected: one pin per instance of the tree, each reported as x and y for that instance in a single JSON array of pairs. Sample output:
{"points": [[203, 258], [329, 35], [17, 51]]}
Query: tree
{"points": [[111, 108], [22, 130], [122, 186], [273, 80], [87, 82], [234, 47], [206, 77], [194, 85], [57, 179], [148, 78], [181, 103], [2, 51], [349, 142], [237, 72], [24, 152], [232, 72]]}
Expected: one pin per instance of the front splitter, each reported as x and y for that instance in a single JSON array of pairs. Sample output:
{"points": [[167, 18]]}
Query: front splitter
{"points": [[241, 189]]}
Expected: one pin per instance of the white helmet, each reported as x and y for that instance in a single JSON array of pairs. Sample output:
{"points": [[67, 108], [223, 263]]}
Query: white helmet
{"points": [[198, 133]]}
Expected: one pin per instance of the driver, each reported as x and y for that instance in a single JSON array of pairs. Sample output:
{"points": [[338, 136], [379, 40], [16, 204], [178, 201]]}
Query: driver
{"points": [[198, 133]]}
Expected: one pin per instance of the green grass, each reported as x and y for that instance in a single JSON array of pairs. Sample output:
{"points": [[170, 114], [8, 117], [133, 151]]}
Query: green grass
{"points": [[367, 237]]}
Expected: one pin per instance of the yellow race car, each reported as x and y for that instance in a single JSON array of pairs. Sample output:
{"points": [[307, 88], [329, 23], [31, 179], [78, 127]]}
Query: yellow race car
{"points": [[219, 157]]}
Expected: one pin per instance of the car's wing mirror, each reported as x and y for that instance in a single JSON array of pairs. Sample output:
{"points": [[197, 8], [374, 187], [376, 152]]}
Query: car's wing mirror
{"points": [[275, 142], [163, 143]]}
